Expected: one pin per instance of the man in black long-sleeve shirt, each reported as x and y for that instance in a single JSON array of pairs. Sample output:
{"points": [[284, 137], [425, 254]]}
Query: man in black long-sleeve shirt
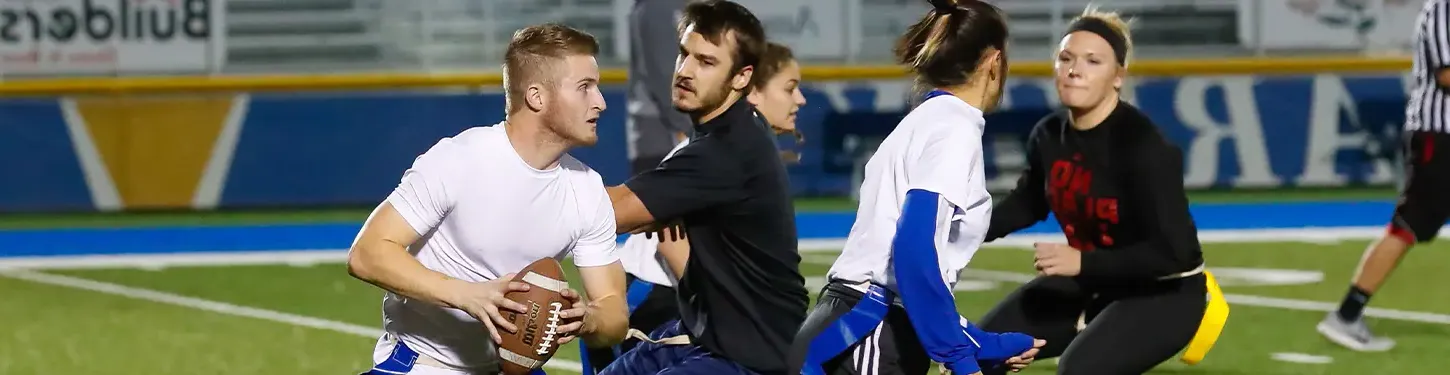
{"points": [[1115, 185], [655, 127], [741, 294]]}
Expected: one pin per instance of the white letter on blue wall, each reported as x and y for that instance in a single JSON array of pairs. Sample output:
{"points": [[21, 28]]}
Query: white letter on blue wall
{"points": [[1325, 139], [1243, 127]]}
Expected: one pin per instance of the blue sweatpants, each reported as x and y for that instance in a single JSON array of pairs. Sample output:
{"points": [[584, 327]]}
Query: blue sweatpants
{"points": [[662, 359]]}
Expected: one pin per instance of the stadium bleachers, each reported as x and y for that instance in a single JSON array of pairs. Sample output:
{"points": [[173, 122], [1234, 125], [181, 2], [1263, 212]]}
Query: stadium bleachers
{"points": [[287, 34], [268, 35]]}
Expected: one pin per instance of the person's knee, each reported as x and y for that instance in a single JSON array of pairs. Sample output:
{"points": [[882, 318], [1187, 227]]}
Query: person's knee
{"points": [[1422, 210], [1413, 228]]}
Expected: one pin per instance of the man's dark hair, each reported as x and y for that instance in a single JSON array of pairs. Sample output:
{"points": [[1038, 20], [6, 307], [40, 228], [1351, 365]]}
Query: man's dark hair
{"points": [[715, 19]]}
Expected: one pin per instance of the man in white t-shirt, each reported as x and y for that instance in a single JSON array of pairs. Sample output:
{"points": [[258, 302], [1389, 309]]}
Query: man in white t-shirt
{"points": [[483, 204]]}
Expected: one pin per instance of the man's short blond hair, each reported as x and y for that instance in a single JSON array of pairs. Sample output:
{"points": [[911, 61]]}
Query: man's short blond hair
{"points": [[534, 55]]}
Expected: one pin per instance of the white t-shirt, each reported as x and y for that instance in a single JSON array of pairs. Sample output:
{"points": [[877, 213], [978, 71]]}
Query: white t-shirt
{"points": [[937, 147], [483, 213], [640, 255]]}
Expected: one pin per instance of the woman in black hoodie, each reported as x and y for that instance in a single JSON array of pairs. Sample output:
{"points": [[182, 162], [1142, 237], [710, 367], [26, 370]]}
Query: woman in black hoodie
{"points": [[1127, 291]]}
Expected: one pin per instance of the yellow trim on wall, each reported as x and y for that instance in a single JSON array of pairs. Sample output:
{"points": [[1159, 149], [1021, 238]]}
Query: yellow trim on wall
{"points": [[491, 81]]}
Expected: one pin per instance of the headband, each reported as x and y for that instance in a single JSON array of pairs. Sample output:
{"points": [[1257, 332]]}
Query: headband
{"points": [[1097, 26]]}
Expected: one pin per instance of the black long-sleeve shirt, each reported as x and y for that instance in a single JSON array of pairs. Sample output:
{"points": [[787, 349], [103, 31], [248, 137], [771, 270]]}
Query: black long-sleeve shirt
{"points": [[1117, 193]]}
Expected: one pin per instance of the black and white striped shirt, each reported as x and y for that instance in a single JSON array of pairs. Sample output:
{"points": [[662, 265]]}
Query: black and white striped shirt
{"points": [[1429, 103]]}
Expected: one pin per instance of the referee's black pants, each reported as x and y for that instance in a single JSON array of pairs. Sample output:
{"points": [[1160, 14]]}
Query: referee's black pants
{"points": [[1424, 204], [1129, 329]]}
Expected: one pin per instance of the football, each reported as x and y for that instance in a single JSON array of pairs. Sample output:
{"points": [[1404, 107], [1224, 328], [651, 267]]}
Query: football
{"points": [[537, 337]]}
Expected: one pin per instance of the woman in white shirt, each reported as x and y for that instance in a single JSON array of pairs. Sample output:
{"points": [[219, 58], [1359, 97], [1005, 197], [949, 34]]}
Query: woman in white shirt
{"points": [[924, 212]]}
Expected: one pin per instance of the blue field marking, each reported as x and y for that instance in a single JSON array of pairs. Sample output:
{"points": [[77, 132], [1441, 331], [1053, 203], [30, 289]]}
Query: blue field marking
{"points": [[87, 241], [811, 225], [1209, 216]]}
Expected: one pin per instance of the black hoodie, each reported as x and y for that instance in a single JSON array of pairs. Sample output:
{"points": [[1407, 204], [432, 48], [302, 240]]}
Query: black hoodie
{"points": [[1117, 193]]}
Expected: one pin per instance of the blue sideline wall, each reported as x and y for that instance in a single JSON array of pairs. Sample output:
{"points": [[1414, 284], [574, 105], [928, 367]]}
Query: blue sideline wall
{"points": [[350, 148]]}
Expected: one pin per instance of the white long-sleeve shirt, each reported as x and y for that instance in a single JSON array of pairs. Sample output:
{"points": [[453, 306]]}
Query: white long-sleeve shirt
{"points": [[937, 147]]}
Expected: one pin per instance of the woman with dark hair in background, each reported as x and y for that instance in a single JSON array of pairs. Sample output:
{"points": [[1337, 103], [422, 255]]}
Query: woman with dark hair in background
{"points": [[1127, 291], [775, 90], [924, 212]]}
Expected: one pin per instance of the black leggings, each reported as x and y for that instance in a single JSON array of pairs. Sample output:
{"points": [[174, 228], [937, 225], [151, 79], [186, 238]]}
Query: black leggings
{"points": [[1128, 332], [891, 348]]}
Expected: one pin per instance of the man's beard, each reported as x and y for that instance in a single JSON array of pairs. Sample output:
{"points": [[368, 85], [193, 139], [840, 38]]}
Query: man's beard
{"points": [[558, 124], [709, 103]]}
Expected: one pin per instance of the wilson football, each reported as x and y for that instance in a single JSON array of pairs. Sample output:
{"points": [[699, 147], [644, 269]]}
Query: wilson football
{"points": [[537, 337]]}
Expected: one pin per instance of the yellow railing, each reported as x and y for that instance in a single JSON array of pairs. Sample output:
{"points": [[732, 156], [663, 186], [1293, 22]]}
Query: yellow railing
{"points": [[374, 81]]}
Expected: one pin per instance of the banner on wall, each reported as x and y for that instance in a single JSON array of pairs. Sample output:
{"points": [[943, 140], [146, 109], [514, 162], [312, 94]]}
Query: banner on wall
{"points": [[58, 37], [1322, 130], [1348, 24], [284, 150]]}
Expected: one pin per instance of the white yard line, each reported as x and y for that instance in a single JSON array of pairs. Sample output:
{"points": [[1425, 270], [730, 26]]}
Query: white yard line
{"points": [[222, 307], [1314, 235], [1303, 358], [1305, 305], [816, 282]]}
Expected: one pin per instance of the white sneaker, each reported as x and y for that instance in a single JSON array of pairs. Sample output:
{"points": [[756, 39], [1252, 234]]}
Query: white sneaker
{"points": [[1354, 335]]}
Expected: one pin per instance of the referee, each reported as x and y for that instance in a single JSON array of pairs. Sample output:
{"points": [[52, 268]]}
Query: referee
{"points": [[1424, 204]]}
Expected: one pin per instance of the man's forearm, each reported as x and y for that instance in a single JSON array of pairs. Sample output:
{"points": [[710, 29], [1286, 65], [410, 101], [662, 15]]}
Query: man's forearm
{"points": [[607, 322], [390, 266]]}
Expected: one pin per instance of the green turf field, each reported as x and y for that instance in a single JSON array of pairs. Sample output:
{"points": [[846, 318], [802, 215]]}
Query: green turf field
{"points": [[110, 320]]}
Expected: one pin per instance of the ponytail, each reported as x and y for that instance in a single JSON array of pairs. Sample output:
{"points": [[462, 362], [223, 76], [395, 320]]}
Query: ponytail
{"points": [[946, 45], [924, 38]]}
